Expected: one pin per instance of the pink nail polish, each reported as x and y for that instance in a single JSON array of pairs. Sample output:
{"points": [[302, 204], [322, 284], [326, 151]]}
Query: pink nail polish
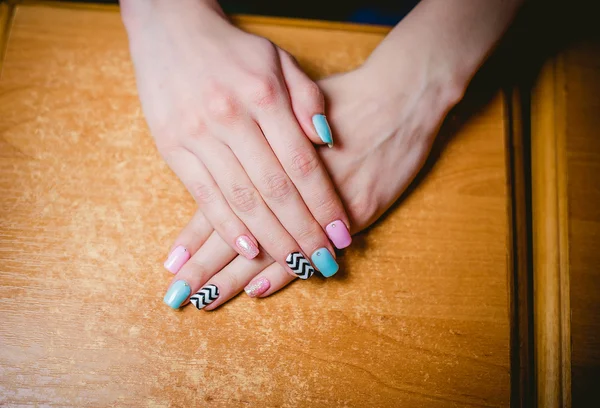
{"points": [[246, 247], [257, 287], [339, 234], [177, 259]]}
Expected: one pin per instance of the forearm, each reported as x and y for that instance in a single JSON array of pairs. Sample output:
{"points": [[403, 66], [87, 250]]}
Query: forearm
{"points": [[448, 38], [133, 11]]}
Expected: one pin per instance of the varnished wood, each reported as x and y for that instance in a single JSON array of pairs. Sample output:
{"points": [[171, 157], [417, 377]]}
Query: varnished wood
{"points": [[550, 250], [419, 316], [571, 132]]}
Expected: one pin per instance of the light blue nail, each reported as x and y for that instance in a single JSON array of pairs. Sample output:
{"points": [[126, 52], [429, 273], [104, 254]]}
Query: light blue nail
{"points": [[177, 294], [324, 262], [323, 129]]}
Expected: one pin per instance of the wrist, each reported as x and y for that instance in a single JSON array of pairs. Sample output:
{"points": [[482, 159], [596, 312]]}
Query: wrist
{"points": [[423, 74], [136, 13]]}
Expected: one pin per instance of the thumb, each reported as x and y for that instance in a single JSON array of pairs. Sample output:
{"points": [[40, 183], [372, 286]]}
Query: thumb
{"points": [[307, 101]]}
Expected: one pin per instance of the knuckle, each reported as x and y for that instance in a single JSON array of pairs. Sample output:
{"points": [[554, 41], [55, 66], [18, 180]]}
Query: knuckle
{"points": [[361, 207], [232, 281], [196, 130], [304, 162], [327, 208], [202, 193], [222, 105], [198, 267], [168, 152], [277, 186], [312, 93], [244, 199], [310, 235], [265, 92]]}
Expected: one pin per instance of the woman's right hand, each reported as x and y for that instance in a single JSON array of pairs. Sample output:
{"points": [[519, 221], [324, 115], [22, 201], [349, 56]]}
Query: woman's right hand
{"points": [[230, 113]]}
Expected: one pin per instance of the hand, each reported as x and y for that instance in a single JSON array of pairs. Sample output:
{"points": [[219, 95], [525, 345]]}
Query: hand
{"points": [[230, 113], [384, 138]]}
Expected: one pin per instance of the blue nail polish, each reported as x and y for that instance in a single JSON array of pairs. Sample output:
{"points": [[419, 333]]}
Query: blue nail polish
{"points": [[324, 262], [177, 294], [323, 129]]}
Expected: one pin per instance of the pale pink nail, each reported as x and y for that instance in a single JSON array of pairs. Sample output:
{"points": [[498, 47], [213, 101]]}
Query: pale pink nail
{"points": [[177, 259], [339, 234], [257, 287], [246, 247]]}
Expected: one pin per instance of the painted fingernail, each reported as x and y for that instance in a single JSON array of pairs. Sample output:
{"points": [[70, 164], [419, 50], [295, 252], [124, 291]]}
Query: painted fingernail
{"points": [[300, 265], [257, 287], [177, 259], [205, 296], [323, 129], [246, 247], [324, 262], [339, 234], [177, 294]]}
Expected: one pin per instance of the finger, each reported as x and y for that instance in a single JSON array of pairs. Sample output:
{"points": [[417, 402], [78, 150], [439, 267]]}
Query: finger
{"points": [[193, 235], [269, 281], [281, 196], [249, 206], [213, 256], [234, 277], [308, 103], [301, 162], [211, 201]]}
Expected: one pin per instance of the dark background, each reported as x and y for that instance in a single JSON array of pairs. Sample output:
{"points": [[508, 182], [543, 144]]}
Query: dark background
{"points": [[386, 12]]}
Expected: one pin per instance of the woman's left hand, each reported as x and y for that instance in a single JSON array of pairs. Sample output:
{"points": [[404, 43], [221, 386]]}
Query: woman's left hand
{"points": [[384, 137]]}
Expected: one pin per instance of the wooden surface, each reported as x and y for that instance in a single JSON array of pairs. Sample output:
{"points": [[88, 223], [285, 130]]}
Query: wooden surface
{"points": [[420, 316], [550, 243], [567, 96]]}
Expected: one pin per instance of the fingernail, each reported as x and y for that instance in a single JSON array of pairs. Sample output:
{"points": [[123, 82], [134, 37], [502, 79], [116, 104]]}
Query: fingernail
{"points": [[246, 247], [177, 294], [205, 296], [324, 262], [339, 234], [257, 287], [177, 259], [323, 129], [300, 265]]}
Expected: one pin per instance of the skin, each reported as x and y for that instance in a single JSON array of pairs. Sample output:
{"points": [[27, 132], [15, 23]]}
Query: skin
{"points": [[230, 113], [385, 115]]}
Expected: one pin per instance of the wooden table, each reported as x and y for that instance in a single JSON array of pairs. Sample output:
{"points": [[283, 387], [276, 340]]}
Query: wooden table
{"points": [[86, 217]]}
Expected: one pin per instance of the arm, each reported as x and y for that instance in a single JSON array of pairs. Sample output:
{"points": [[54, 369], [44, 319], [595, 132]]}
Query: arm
{"points": [[447, 39], [386, 114], [230, 113]]}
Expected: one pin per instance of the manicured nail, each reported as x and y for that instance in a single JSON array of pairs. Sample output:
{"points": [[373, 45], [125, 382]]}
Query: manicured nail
{"points": [[257, 287], [300, 265], [177, 294], [324, 262], [339, 234], [246, 247], [205, 296], [177, 259], [323, 129]]}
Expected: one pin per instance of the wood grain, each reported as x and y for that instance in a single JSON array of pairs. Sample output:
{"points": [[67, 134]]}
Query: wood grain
{"points": [[582, 99], [550, 253], [88, 210], [566, 165]]}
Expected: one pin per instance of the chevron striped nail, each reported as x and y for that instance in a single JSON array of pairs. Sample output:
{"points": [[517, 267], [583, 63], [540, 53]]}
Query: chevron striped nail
{"points": [[205, 296], [300, 265]]}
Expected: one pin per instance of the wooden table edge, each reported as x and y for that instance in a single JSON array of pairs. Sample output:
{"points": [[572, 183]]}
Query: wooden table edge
{"points": [[238, 19], [552, 308]]}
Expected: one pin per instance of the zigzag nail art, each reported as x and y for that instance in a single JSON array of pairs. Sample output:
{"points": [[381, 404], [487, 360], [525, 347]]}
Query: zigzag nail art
{"points": [[204, 296], [299, 265]]}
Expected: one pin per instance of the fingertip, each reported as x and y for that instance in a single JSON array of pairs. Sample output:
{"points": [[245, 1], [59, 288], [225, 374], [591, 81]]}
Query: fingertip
{"points": [[323, 129]]}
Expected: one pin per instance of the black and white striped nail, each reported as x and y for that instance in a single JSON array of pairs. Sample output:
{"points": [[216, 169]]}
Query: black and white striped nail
{"points": [[300, 265], [205, 296]]}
